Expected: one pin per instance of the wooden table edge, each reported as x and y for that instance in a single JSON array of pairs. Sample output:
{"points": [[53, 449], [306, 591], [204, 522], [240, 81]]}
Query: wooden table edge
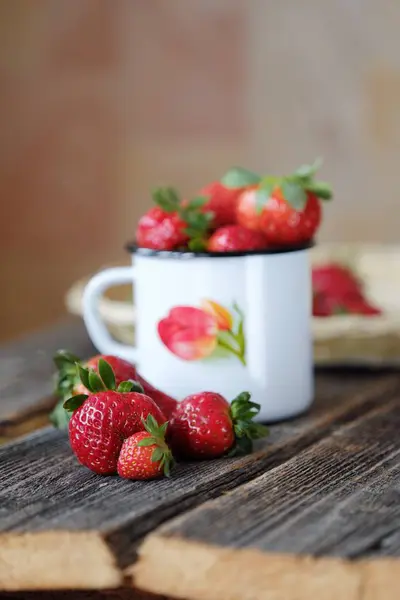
{"points": [[176, 567], [80, 560]]}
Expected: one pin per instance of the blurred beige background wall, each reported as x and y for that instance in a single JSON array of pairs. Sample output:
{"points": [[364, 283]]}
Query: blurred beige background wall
{"points": [[102, 99]]}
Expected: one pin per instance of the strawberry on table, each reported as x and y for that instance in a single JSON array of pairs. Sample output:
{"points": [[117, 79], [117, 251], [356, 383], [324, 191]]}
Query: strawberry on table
{"points": [[68, 383], [286, 209], [145, 455], [205, 425], [123, 370], [102, 420], [236, 238], [222, 202]]}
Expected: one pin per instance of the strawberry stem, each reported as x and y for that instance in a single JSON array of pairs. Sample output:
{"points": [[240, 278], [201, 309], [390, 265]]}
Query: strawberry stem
{"points": [[130, 386], [65, 380], [161, 452], [105, 379], [94, 383], [243, 412], [294, 187], [74, 402], [198, 222]]}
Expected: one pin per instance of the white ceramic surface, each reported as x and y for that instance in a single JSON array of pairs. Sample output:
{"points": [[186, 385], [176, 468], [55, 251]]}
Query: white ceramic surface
{"points": [[186, 353]]}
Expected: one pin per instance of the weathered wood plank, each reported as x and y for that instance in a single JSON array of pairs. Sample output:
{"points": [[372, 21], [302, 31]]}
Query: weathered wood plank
{"points": [[339, 498], [48, 503], [26, 370]]}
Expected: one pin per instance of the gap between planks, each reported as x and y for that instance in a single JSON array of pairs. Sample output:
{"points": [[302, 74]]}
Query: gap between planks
{"points": [[26, 556], [198, 556]]}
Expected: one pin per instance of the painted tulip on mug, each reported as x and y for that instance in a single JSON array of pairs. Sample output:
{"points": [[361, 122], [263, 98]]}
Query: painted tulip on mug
{"points": [[188, 332], [221, 315], [212, 331]]}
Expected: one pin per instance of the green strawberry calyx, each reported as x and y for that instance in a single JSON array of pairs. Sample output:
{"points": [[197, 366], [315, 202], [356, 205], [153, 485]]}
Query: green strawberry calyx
{"points": [[65, 380], [198, 222], [239, 177], [99, 382], [161, 452], [66, 376], [243, 411], [294, 187]]}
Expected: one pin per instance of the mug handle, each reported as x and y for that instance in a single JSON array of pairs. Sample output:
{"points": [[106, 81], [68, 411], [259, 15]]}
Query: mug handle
{"points": [[96, 329]]}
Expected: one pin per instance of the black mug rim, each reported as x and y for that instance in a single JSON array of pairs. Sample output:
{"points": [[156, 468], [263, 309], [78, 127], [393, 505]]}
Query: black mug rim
{"points": [[133, 248]]}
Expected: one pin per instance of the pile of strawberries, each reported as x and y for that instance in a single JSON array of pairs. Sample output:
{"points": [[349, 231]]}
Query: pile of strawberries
{"points": [[337, 291], [241, 212], [119, 423]]}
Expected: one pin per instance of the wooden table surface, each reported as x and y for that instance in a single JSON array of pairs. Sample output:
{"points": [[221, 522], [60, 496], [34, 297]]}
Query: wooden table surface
{"points": [[313, 514]]}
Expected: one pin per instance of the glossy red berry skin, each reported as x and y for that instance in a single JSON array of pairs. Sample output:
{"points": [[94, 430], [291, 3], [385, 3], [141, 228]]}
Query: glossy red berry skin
{"points": [[222, 201], [280, 223], [125, 371], [160, 230], [135, 462], [98, 428], [235, 238], [201, 427]]}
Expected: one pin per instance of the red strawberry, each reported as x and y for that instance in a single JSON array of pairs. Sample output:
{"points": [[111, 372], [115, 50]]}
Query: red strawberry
{"points": [[281, 223], [160, 230], [278, 220], [222, 202], [236, 238], [361, 307], [205, 425], [322, 305], [287, 209], [336, 290], [247, 209], [145, 455], [68, 383], [334, 279], [101, 421], [123, 370], [326, 306], [174, 222]]}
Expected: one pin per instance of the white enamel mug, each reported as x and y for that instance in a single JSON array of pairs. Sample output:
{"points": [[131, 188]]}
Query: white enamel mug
{"points": [[226, 323]]}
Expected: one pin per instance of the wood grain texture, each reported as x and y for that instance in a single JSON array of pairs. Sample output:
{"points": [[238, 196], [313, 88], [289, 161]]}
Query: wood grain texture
{"points": [[44, 491], [26, 373], [338, 498]]}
